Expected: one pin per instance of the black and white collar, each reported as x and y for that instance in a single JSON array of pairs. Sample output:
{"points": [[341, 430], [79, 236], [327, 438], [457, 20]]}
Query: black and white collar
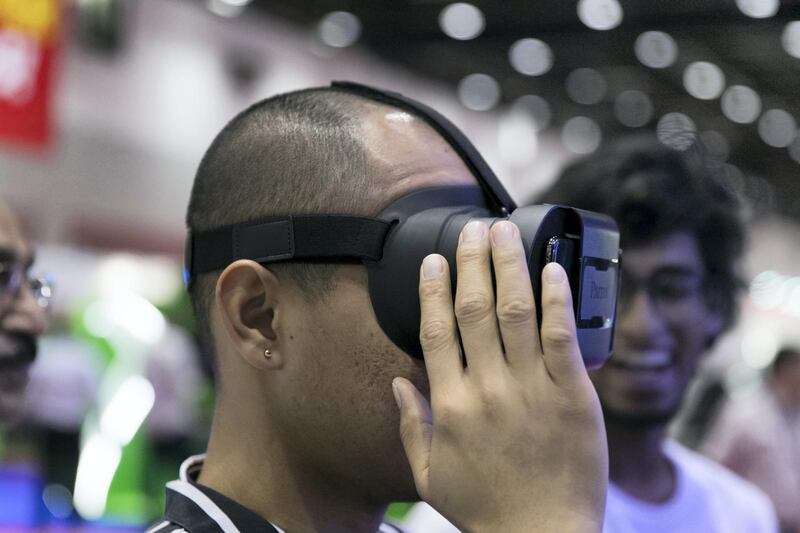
{"points": [[194, 508]]}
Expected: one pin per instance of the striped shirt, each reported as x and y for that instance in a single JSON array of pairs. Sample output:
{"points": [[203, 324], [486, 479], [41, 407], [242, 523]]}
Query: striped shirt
{"points": [[194, 508]]}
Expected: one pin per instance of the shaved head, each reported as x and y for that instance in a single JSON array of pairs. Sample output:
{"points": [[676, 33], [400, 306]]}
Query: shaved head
{"points": [[315, 151]]}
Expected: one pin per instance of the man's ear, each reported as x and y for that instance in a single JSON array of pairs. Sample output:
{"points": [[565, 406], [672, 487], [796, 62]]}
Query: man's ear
{"points": [[247, 296]]}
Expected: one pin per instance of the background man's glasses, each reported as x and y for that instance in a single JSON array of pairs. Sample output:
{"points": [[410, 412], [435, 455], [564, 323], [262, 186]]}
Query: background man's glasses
{"points": [[13, 276], [677, 296]]}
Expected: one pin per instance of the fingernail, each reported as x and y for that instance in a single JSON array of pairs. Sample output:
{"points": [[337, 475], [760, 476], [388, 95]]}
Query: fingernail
{"points": [[396, 392], [554, 274], [502, 232], [432, 267], [473, 231]]}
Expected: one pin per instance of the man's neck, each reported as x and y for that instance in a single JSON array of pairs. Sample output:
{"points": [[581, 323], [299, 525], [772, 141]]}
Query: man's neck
{"points": [[637, 463], [262, 475]]}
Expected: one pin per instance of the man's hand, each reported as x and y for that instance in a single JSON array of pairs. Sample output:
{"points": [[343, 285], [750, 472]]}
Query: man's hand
{"points": [[514, 441]]}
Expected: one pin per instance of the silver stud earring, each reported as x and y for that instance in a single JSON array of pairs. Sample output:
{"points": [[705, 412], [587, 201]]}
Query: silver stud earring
{"points": [[267, 353]]}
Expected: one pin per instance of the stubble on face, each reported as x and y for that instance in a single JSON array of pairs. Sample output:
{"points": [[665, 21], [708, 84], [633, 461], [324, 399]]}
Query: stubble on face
{"points": [[343, 413]]}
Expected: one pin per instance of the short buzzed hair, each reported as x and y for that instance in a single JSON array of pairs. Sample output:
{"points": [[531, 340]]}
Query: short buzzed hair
{"points": [[295, 153]]}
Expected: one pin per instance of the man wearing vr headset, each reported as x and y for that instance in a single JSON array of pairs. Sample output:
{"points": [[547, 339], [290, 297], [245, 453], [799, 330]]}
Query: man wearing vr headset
{"points": [[22, 316], [321, 420]]}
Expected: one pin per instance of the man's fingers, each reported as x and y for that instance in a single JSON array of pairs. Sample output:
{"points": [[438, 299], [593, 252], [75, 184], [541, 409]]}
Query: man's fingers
{"points": [[416, 431], [562, 356], [474, 304], [516, 309], [437, 329]]}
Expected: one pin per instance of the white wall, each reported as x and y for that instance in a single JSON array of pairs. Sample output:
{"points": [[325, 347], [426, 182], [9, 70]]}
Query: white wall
{"points": [[132, 128]]}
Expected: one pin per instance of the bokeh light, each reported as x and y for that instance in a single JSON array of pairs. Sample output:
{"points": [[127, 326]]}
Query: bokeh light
{"points": [[461, 21], [633, 108], [777, 128], [656, 49], [794, 149], [227, 8], [581, 135], [741, 104], [759, 346], [718, 149], [531, 57], [536, 108], [704, 80], [339, 29], [479, 92], [586, 86], [790, 38], [600, 14], [758, 9], [517, 140], [676, 130]]}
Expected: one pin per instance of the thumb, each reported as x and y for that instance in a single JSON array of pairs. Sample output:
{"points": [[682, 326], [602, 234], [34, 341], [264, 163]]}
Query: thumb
{"points": [[416, 430]]}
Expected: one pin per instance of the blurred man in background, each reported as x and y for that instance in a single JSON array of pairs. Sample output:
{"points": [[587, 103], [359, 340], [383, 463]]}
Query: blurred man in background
{"points": [[681, 239], [307, 434], [22, 315], [758, 437]]}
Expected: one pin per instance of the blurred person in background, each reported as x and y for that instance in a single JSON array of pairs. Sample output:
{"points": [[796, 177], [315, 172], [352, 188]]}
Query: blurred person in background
{"points": [[22, 319], [315, 404], [758, 437], [681, 239], [22, 316]]}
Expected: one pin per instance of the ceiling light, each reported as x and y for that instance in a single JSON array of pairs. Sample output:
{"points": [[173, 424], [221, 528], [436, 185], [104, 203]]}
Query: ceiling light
{"points": [[534, 107], [531, 57], [461, 21], [777, 128], [225, 8], [717, 146], [581, 135], [633, 108], [479, 92], [758, 9], [791, 39], [741, 104], [600, 14], [586, 86], [676, 130], [656, 49], [704, 80], [794, 149], [339, 29]]}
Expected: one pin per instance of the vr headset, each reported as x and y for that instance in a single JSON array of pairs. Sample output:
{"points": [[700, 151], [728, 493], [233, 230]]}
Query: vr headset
{"points": [[392, 245]]}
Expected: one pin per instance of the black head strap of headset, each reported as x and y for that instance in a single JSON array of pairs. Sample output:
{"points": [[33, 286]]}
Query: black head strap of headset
{"points": [[326, 237]]}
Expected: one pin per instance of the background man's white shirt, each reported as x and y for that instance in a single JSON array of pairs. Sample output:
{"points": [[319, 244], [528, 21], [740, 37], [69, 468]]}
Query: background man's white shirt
{"points": [[708, 499]]}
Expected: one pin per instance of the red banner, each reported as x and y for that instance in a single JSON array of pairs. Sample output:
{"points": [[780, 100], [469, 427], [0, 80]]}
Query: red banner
{"points": [[28, 45]]}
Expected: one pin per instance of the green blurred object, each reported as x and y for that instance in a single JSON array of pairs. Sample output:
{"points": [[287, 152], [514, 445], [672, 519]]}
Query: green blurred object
{"points": [[127, 502], [397, 511]]}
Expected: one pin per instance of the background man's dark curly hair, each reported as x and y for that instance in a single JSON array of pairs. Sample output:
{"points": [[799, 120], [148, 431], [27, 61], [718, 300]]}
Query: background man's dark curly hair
{"points": [[653, 191]]}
